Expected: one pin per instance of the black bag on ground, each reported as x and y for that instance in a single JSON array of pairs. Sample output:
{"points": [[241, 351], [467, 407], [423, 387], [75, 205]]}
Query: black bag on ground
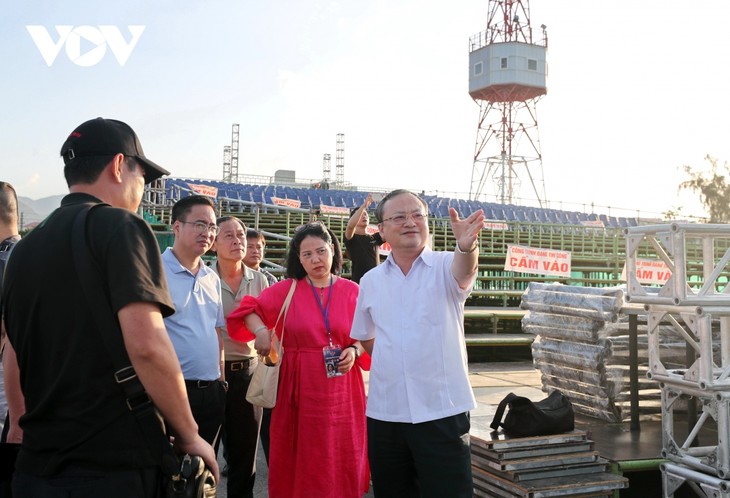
{"points": [[552, 415]]}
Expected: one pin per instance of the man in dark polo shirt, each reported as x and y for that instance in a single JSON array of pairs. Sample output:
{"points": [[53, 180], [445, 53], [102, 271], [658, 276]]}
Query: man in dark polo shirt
{"points": [[78, 436]]}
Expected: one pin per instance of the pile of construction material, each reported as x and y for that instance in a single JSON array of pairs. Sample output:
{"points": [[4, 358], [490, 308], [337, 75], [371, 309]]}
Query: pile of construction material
{"points": [[582, 348], [540, 466]]}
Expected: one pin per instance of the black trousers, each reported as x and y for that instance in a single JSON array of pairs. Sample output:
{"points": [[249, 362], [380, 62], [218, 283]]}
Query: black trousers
{"points": [[427, 460], [208, 403], [241, 429]]}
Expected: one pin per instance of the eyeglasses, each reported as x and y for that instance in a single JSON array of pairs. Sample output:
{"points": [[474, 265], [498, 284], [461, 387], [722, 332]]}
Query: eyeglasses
{"points": [[200, 228], [400, 219]]}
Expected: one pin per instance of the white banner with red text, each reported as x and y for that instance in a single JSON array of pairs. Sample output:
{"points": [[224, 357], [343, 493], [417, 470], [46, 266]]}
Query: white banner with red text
{"points": [[650, 271], [205, 190], [525, 259]]}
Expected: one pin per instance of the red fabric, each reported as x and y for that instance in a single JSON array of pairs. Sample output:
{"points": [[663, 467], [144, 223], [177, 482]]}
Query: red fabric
{"points": [[318, 441]]}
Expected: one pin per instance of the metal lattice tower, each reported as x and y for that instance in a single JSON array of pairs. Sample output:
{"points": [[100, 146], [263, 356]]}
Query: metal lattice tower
{"points": [[507, 76], [234, 153], [326, 167], [340, 161], [230, 157], [227, 163]]}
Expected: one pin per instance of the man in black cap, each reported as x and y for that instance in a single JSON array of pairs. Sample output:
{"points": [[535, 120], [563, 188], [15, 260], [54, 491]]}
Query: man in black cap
{"points": [[78, 436]]}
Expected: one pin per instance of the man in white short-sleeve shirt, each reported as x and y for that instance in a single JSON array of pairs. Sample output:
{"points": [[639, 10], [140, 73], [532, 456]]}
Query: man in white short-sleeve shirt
{"points": [[410, 318]]}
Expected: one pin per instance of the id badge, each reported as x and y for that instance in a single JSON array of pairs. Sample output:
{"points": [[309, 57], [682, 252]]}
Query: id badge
{"points": [[331, 360]]}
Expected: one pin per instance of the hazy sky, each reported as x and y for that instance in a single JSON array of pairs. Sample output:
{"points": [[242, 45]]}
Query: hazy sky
{"points": [[636, 89]]}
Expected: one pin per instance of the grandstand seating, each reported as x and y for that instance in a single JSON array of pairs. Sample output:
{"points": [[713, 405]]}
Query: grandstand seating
{"points": [[597, 251], [438, 207]]}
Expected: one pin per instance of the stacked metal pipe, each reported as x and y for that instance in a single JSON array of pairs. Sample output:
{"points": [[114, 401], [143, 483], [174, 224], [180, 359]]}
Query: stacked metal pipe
{"points": [[581, 347]]}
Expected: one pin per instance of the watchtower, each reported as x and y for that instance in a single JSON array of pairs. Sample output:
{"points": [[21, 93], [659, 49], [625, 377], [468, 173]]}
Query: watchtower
{"points": [[507, 76]]}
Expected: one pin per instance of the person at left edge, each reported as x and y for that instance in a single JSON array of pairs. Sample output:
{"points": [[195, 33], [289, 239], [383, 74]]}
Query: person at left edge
{"points": [[9, 236], [79, 438], [196, 326]]}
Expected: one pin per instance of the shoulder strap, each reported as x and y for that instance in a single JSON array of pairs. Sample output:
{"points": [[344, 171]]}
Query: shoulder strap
{"points": [[497, 420], [111, 334], [285, 310]]}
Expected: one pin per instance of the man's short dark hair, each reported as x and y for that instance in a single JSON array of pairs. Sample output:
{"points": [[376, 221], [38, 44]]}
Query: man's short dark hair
{"points": [[381, 205], [8, 205], [183, 207], [87, 169], [252, 233], [223, 219]]}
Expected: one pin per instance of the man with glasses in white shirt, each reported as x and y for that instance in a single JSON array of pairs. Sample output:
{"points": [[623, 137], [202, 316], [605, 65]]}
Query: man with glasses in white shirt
{"points": [[410, 318], [195, 327]]}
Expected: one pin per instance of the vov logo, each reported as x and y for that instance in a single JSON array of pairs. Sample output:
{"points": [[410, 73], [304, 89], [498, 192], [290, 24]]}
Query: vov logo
{"points": [[96, 40]]}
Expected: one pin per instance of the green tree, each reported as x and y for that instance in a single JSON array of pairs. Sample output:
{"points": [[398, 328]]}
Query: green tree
{"points": [[713, 188], [673, 213]]}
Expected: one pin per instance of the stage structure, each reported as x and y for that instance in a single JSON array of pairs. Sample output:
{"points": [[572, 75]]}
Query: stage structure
{"points": [[340, 161], [507, 76], [230, 157], [226, 163], [326, 169]]}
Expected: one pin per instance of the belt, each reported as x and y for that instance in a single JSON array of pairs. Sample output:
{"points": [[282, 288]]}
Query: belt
{"points": [[199, 384], [235, 366]]}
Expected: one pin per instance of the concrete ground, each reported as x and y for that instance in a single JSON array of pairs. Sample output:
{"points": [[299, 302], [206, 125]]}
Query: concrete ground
{"points": [[490, 381]]}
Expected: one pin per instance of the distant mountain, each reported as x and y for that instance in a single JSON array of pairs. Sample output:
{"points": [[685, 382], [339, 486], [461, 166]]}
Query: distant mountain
{"points": [[33, 211]]}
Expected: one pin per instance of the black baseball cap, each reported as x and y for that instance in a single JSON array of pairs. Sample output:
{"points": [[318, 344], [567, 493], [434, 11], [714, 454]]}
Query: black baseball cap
{"points": [[108, 137]]}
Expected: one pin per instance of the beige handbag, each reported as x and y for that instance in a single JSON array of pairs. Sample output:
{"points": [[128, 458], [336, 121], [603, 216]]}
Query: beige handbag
{"points": [[265, 379]]}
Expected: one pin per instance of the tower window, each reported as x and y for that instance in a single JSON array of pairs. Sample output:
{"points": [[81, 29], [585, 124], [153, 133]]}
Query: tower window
{"points": [[532, 64], [503, 63], [478, 68]]}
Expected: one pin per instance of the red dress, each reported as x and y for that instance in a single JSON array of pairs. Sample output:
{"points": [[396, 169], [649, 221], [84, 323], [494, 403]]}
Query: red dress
{"points": [[318, 444]]}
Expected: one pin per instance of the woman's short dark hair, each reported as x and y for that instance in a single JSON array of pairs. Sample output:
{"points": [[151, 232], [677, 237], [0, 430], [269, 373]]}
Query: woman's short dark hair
{"points": [[294, 267]]}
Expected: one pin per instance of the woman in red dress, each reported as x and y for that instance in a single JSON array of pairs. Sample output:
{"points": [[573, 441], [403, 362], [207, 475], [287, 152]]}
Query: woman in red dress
{"points": [[318, 441]]}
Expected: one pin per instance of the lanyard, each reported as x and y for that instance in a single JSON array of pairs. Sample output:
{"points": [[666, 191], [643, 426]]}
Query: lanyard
{"points": [[325, 310]]}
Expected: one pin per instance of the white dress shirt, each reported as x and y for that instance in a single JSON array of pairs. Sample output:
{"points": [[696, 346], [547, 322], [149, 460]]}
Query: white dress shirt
{"points": [[419, 367]]}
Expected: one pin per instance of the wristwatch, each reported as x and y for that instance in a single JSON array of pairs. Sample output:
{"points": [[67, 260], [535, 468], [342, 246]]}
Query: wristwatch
{"points": [[471, 250], [357, 350]]}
